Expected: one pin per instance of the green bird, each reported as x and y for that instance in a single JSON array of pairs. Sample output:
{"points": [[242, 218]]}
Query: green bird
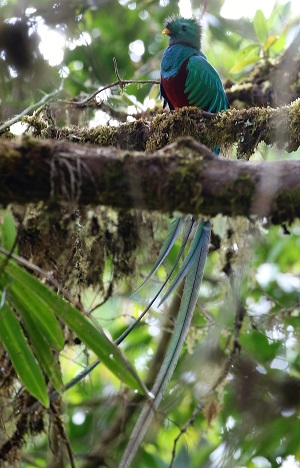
{"points": [[187, 79]]}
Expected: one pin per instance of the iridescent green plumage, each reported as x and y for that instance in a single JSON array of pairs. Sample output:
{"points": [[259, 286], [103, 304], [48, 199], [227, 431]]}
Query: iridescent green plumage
{"points": [[187, 78], [203, 85]]}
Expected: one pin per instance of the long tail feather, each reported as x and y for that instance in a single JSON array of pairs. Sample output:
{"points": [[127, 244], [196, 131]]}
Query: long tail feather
{"points": [[192, 254], [188, 303], [189, 227], [172, 235]]}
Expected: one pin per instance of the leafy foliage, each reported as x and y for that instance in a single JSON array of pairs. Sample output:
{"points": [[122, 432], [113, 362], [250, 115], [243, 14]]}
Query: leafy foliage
{"points": [[270, 38], [38, 306]]}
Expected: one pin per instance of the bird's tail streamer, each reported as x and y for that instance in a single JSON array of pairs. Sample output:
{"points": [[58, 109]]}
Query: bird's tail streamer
{"points": [[192, 268]]}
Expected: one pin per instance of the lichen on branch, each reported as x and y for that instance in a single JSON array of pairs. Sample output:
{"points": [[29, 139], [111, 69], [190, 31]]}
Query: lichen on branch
{"points": [[243, 128], [185, 176]]}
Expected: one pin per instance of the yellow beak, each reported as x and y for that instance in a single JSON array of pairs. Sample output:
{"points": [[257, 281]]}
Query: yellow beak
{"points": [[166, 31]]}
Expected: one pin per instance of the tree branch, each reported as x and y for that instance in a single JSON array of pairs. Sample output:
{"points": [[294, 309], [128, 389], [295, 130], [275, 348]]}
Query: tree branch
{"points": [[245, 128], [186, 176]]}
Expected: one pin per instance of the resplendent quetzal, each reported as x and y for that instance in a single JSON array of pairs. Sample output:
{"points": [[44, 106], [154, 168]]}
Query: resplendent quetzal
{"points": [[187, 79]]}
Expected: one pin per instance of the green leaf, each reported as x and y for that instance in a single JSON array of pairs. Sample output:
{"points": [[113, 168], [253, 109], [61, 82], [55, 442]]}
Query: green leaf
{"points": [[269, 42], [98, 342], [247, 51], [28, 304], [22, 294], [21, 355], [94, 338], [260, 26], [43, 353], [279, 17], [258, 345], [279, 45], [8, 231], [240, 66]]}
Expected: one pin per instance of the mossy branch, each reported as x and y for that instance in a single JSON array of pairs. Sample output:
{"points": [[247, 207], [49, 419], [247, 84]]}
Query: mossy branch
{"points": [[243, 128], [185, 176]]}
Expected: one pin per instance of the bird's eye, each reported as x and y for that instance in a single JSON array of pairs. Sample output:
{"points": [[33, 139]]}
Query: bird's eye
{"points": [[184, 28]]}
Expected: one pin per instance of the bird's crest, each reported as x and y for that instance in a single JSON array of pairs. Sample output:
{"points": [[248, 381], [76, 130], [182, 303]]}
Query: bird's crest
{"points": [[183, 30], [178, 18]]}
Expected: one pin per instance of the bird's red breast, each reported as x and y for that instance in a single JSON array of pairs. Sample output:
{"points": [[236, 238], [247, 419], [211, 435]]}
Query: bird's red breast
{"points": [[174, 88]]}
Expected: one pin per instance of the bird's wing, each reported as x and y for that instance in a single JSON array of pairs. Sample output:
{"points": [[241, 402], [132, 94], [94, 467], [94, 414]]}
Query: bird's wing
{"points": [[165, 97], [204, 86]]}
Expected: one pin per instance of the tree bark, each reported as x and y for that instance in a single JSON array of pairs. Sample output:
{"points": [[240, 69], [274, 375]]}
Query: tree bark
{"points": [[185, 176]]}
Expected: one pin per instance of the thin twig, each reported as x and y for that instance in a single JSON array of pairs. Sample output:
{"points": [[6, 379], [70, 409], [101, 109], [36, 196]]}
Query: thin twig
{"points": [[121, 83], [61, 434], [29, 109], [117, 71], [49, 98], [108, 294]]}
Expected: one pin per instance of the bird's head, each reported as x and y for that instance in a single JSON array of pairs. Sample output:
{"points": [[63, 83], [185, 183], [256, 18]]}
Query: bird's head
{"points": [[183, 31]]}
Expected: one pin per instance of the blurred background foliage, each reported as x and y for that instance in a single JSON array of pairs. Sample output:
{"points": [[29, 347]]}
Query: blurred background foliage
{"points": [[44, 43], [240, 369]]}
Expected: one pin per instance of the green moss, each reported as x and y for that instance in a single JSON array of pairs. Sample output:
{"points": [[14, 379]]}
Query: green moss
{"points": [[243, 188], [187, 121], [8, 135], [130, 135], [285, 208], [246, 128], [293, 125], [243, 128], [184, 176], [8, 156]]}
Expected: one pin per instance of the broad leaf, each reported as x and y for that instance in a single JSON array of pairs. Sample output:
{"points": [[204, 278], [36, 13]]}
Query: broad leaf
{"points": [[24, 299], [260, 26], [246, 51], [43, 353], [240, 66], [21, 355], [8, 232], [269, 42], [94, 338], [97, 341], [28, 303]]}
